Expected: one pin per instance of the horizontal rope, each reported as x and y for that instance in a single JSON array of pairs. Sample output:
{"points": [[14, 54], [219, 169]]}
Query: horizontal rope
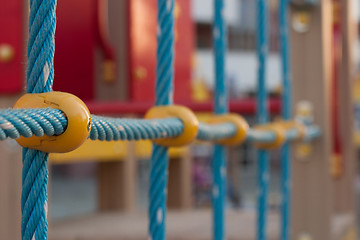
{"points": [[47, 121], [211, 132], [292, 134], [28, 122], [110, 129]]}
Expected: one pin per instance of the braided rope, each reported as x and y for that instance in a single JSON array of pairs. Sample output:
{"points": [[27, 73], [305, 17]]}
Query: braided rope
{"points": [[39, 122], [163, 96], [219, 131], [164, 87], [221, 101], [40, 75], [262, 117], [286, 115], [110, 129], [48, 121], [28, 122]]}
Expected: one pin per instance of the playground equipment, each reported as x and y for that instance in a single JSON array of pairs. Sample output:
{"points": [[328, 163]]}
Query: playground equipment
{"points": [[176, 125]]}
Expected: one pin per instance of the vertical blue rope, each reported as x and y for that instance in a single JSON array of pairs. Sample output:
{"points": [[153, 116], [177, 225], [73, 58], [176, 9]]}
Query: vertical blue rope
{"points": [[286, 114], [262, 117], [221, 99], [40, 75], [163, 96]]}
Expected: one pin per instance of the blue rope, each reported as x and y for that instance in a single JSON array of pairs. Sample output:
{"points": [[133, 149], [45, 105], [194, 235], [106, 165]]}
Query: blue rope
{"points": [[28, 122], [286, 114], [48, 121], [262, 117], [209, 132], [163, 96], [221, 101], [39, 78], [39, 122], [312, 132], [164, 87], [111, 129]]}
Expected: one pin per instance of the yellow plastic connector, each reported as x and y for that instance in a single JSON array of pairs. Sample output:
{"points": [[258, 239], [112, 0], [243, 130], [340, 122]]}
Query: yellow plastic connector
{"points": [[240, 123], [78, 118], [280, 136], [191, 124]]}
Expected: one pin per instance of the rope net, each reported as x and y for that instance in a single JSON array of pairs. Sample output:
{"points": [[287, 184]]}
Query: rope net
{"points": [[39, 79], [16, 123]]}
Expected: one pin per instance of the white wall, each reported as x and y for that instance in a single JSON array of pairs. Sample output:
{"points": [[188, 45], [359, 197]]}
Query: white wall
{"points": [[202, 11], [240, 66]]}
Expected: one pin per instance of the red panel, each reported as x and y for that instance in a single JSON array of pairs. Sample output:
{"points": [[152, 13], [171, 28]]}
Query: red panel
{"points": [[142, 52], [11, 28], [338, 161], [75, 46], [184, 50]]}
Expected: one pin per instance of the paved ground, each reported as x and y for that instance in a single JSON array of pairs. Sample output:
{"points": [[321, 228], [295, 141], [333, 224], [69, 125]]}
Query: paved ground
{"points": [[73, 189], [189, 225], [73, 205]]}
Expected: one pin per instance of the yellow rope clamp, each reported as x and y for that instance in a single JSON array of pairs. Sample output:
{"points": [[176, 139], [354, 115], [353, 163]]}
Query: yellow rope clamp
{"points": [[240, 123], [188, 118], [78, 118], [280, 135]]}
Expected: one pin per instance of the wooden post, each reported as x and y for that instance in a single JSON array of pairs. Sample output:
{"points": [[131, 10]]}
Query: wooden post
{"points": [[344, 186], [117, 183], [179, 187], [311, 65], [11, 164], [10, 184], [116, 180]]}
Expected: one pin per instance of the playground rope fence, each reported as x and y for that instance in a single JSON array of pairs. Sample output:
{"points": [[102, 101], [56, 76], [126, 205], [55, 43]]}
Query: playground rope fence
{"points": [[17, 123], [39, 122]]}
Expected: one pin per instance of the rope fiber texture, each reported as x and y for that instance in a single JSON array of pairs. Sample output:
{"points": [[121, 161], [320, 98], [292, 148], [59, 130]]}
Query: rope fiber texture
{"points": [[286, 109], [164, 88], [40, 74], [48, 121], [31, 122], [39, 78], [110, 129], [221, 107], [262, 118]]}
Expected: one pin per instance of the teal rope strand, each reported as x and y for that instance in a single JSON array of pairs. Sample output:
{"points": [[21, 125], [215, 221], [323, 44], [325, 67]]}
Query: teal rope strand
{"points": [[163, 96], [221, 101], [286, 115], [39, 78], [108, 129], [209, 132], [28, 122], [48, 121], [262, 117]]}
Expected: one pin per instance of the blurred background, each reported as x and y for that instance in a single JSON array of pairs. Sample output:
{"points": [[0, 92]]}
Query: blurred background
{"points": [[241, 74]]}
